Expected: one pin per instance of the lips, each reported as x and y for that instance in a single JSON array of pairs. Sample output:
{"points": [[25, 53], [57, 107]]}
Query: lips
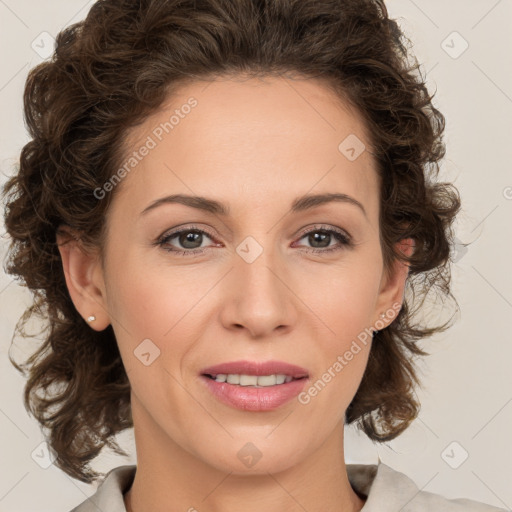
{"points": [[248, 397], [256, 368]]}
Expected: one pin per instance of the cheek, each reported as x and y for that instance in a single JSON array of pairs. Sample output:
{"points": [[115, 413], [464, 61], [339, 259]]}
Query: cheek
{"points": [[342, 359], [165, 306], [148, 301], [345, 307], [343, 298]]}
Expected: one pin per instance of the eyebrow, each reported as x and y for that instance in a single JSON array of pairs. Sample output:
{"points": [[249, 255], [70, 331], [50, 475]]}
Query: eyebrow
{"points": [[300, 204]]}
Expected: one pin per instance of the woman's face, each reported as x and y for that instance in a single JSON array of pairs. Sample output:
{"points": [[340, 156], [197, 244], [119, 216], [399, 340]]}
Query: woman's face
{"points": [[262, 281]]}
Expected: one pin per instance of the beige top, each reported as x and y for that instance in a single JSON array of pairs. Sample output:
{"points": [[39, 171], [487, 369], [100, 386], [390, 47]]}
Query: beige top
{"points": [[386, 490]]}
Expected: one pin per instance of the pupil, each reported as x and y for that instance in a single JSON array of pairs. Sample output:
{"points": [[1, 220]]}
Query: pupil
{"points": [[322, 236], [189, 237]]}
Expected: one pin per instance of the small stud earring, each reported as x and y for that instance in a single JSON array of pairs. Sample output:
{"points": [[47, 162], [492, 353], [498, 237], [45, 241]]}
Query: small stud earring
{"points": [[91, 318], [383, 315]]}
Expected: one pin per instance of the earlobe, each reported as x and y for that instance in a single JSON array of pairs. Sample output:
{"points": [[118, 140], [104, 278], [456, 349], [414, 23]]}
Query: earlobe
{"points": [[84, 279]]}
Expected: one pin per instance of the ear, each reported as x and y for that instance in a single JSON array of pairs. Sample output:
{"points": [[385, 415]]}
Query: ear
{"points": [[392, 286], [84, 278]]}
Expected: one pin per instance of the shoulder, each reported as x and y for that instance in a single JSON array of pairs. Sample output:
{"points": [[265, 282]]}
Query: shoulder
{"points": [[109, 494], [388, 490]]}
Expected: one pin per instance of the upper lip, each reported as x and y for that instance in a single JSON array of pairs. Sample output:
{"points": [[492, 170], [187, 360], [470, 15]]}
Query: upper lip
{"points": [[257, 368]]}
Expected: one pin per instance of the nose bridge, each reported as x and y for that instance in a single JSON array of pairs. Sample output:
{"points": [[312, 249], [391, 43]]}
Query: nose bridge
{"points": [[263, 300], [254, 267]]}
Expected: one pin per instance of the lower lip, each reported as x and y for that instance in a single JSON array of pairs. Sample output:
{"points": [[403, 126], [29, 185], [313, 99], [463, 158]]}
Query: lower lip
{"points": [[249, 398]]}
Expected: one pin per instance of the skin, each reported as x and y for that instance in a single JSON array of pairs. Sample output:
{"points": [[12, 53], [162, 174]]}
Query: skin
{"points": [[255, 145]]}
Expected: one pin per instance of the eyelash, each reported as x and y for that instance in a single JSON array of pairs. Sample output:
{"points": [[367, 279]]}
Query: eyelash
{"points": [[344, 240]]}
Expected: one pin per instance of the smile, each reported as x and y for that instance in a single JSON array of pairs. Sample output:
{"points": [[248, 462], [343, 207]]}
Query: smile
{"points": [[252, 380]]}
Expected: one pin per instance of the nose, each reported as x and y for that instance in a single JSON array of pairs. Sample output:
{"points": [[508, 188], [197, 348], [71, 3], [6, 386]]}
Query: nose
{"points": [[258, 298]]}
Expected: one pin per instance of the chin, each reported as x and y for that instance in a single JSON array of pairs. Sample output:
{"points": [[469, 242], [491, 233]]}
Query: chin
{"points": [[259, 456]]}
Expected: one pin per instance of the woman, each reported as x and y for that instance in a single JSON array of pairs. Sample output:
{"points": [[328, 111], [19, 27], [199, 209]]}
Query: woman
{"points": [[218, 214]]}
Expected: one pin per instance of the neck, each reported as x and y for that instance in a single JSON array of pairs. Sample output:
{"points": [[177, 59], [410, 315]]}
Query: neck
{"points": [[169, 476]]}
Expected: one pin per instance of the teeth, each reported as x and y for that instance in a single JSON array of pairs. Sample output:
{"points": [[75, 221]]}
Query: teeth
{"points": [[253, 380], [233, 379]]}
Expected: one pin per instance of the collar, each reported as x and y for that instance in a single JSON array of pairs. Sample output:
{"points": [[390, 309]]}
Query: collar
{"points": [[385, 490]]}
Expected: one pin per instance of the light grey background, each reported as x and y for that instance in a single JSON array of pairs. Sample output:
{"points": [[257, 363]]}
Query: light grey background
{"points": [[467, 394]]}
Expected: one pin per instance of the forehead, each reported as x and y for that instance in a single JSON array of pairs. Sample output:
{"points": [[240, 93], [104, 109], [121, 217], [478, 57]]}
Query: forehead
{"points": [[254, 138]]}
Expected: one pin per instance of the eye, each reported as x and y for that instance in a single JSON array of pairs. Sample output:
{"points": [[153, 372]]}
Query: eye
{"points": [[321, 237], [191, 240]]}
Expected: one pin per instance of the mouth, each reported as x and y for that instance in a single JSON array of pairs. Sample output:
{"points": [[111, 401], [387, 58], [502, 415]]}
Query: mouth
{"points": [[256, 381], [255, 373], [255, 386]]}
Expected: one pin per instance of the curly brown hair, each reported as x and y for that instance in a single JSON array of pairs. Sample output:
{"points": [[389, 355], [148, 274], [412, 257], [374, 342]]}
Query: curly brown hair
{"points": [[116, 67]]}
